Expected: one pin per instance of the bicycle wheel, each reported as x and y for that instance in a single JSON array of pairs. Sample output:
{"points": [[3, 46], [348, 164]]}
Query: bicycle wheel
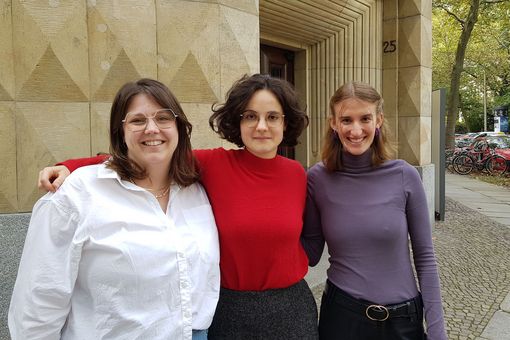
{"points": [[448, 158], [496, 165], [463, 164]]}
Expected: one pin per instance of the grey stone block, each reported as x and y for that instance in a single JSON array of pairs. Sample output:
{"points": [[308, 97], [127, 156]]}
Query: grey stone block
{"points": [[13, 229], [498, 327]]}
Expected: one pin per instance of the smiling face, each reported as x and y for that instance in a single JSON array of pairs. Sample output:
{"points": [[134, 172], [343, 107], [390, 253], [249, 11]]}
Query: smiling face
{"points": [[355, 122], [151, 146], [262, 140]]}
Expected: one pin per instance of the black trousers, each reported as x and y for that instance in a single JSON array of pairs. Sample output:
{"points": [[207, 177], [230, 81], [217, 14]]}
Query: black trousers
{"points": [[340, 320]]}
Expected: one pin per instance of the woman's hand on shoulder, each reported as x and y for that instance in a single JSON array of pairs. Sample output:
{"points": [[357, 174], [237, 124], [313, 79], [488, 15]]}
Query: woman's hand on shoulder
{"points": [[52, 177]]}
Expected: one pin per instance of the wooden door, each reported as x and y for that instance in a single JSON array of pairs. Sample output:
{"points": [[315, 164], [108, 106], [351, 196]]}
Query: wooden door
{"points": [[278, 63]]}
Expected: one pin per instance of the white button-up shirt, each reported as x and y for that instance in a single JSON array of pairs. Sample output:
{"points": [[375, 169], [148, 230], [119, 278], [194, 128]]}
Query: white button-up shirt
{"points": [[103, 261]]}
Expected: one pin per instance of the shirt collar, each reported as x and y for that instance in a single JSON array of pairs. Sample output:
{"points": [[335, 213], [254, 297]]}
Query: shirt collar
{"points": [[104, 172]]}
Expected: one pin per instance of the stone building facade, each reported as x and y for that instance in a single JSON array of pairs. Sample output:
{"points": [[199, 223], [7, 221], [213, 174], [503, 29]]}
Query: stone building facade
{"points": [[61, 62]]}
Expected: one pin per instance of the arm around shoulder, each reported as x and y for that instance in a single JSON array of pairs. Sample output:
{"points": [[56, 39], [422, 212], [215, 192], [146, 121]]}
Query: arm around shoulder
{"points": [[52, 177], [73, 164]]}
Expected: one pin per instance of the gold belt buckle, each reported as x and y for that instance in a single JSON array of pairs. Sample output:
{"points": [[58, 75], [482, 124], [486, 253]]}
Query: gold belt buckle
{"points": [[377, 308]]}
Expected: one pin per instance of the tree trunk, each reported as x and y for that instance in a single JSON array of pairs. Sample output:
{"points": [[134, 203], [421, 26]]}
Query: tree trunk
{"points": [[452, 105]]}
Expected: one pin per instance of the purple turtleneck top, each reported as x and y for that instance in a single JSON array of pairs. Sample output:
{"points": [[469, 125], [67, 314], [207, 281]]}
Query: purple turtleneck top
{"points": [[366, 215]]}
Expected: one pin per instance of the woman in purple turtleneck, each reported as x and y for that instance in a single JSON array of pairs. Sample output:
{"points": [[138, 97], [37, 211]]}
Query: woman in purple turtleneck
{"points": [[366, 207]]}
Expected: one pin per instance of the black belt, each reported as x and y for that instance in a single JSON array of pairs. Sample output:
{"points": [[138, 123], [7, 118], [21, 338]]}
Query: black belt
{"points": [[372, 311]]}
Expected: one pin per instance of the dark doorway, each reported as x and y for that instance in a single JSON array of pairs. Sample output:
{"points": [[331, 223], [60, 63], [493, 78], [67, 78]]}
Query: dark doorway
{"points": [[278, 63]]}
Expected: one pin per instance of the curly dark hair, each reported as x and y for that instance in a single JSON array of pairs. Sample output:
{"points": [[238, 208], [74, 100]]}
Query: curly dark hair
{"points": [[182, 167], [226, 119]]}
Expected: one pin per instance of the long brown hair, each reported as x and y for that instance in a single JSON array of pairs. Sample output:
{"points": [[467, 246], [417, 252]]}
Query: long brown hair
{"points": [[382, 149], [182, 165]]}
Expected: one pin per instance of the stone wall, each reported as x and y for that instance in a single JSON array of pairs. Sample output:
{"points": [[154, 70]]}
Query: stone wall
{"points": [[62, 61], [407, 76]]}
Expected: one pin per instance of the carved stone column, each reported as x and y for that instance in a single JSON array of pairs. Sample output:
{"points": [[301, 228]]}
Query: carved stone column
{"points": [[407, 82]]}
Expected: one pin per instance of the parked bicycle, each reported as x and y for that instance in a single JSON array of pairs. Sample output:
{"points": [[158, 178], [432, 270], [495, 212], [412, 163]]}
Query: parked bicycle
{"points": [[481, 157], [449, 155]]}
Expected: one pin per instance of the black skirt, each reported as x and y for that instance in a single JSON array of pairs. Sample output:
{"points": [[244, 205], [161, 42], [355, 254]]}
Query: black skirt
{"points": [[287, 313]]}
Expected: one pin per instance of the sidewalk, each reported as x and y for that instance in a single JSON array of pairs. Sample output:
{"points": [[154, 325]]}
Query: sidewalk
{"points": [[493, 202]]}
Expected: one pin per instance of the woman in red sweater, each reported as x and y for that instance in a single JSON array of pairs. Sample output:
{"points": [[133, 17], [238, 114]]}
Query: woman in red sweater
{"points": [[258, 198]]}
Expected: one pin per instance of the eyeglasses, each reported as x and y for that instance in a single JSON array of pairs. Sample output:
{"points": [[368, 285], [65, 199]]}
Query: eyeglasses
{"points": [[137, 121], [251, 119]]}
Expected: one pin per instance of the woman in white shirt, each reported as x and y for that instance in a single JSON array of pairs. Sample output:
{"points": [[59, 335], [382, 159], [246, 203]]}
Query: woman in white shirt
{"points": [[127, 249]]}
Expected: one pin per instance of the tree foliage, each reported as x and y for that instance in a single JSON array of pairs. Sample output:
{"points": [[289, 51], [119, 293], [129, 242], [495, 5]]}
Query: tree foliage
{"points": [[486, 51], [461, 128]]}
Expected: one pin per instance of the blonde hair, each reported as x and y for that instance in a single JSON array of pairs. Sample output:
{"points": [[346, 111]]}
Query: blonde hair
{"points": [[382, 149]]}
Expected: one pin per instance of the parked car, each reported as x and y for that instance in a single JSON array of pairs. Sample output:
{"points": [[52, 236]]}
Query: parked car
{"points": [[461, 141], [502, 145], [487, 133]]}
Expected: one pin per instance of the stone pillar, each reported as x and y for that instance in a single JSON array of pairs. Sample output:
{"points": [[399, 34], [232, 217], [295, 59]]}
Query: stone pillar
{"points": [[8, 193], [407, 76], [407, 82]]}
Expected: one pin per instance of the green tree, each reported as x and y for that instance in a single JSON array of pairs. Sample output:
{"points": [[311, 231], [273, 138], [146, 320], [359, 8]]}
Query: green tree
{"points": [[461, 127], [472, 112], [461, 69], [452, 103], [489, 54]]}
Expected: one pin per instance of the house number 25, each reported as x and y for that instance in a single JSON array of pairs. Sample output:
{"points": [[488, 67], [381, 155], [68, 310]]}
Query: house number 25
{"points": [[389, 46]]}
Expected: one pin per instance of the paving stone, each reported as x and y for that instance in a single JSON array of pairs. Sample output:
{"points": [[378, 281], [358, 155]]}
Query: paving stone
{"points": [[472, 252], [499, 327], [505, 305]]}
